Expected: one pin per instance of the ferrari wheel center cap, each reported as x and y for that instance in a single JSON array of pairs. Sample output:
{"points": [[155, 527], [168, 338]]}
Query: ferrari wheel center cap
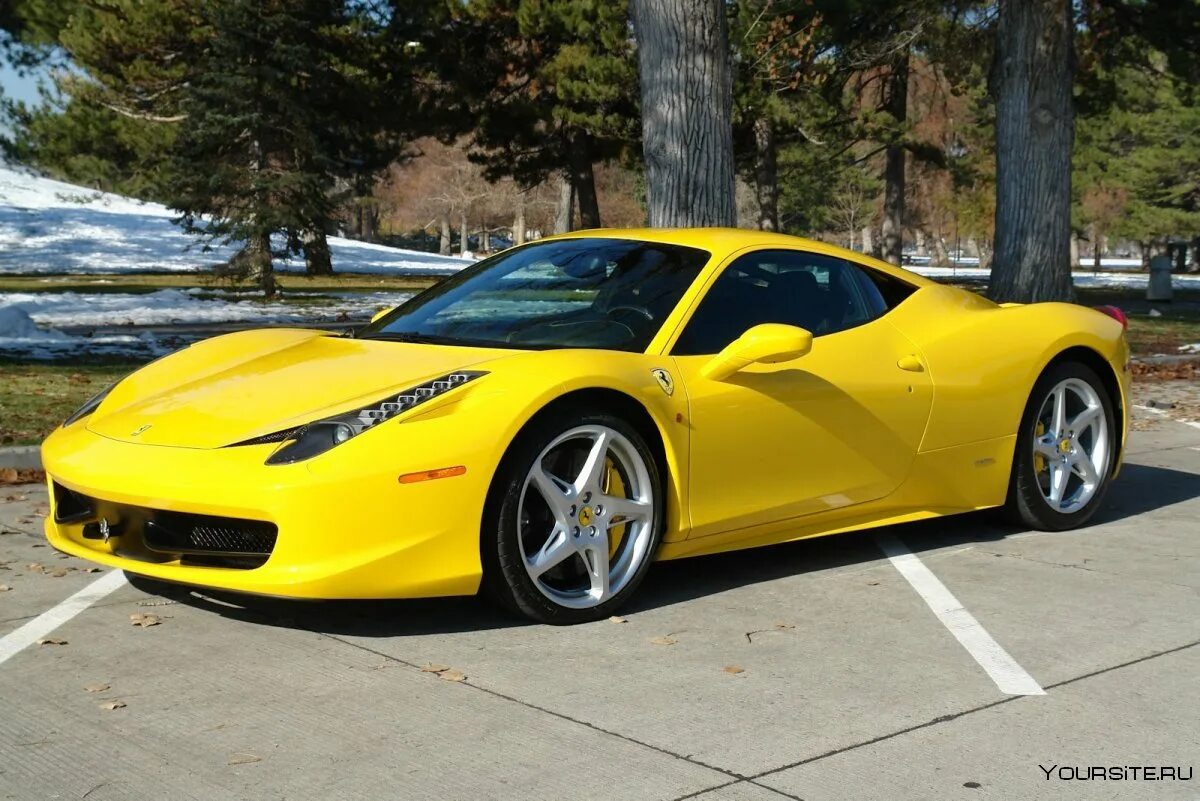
{"points": [[585, 516], [1064, 446]]}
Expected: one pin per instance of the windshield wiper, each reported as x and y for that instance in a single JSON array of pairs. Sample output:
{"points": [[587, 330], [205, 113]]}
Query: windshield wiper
{"points": [[433, 339]]}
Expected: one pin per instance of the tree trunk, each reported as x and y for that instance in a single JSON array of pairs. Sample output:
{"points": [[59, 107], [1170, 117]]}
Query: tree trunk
{"points": [[896, 104], [464, 239], [1035, 127], [687, 107], [766, 176], [369, 220], [868, 240], [262, 270], [1097, 247], [519, 222], [940, 256], [1074, 250], [485, 241], [579, 152], [317, 259], [444, 240], [566, 206]]}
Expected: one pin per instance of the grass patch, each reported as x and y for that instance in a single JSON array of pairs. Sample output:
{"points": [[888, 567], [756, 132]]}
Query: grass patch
{"points": [[1150, 335], [36, 398]]}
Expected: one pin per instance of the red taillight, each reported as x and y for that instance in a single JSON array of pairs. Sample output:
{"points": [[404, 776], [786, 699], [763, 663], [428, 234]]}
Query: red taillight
{"points": [[1115, 313]]}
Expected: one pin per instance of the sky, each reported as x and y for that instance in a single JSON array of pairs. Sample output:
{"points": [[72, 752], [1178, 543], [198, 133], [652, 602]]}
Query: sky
{"points": [[18, 87]]}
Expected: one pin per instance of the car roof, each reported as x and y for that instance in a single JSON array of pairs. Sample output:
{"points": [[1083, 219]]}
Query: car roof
{"points": [[721, 242]]}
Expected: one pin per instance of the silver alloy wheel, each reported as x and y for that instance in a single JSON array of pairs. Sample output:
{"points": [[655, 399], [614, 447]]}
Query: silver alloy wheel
{"points": [[584, 535], [1071, 445]]}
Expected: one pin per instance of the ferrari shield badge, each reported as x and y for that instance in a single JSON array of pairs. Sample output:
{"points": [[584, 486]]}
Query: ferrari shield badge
{"points": [[664, 380]]}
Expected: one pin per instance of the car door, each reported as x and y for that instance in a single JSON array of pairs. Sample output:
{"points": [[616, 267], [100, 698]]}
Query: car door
{"points": [[836, 427]]}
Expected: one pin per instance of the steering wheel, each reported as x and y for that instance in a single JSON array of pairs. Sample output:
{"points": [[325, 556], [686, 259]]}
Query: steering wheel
{"points": [[642, 310]]}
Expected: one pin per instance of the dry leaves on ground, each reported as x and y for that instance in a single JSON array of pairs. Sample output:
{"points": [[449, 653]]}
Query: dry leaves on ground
{"points": [[111, 705], [734, 669], [444, 672], [10, 475], [145, 621], [96, 687], [51, 641], [617, 619]]}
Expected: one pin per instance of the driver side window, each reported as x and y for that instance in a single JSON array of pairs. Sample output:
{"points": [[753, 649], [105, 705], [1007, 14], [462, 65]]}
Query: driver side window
{"points": [[819, 293]]}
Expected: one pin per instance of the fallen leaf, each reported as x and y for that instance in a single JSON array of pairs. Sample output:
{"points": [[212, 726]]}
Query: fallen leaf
{"points": [[144, 621], [96, 687], [734, 669], [785, 625], [617, 619], [51, 641], [667, 640], [8, 475], [60, 572], [144, 603], [244, 759], [91, 570], [111, 705], [452, 675], [35, 567], [12, 498], [4, 588], [434, 668], [972, 785], [872, 583]]}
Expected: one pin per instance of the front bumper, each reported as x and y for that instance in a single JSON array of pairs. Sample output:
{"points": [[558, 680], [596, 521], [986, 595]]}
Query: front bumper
{"points": [[346, 527]]}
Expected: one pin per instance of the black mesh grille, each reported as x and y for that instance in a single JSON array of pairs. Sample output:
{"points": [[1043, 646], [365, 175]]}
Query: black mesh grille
{"points": [[267, 439], [176, 532]]}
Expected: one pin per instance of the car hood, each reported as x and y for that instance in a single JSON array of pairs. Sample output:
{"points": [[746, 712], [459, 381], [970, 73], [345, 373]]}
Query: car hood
{"points": [[236, 387]]}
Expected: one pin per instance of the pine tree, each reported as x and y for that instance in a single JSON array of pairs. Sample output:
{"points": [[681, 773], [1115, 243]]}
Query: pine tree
{"points": [[543, 88]]}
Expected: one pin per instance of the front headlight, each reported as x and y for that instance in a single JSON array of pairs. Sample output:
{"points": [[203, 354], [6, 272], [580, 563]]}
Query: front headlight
{"points": [[317, 437], [89, 406]]}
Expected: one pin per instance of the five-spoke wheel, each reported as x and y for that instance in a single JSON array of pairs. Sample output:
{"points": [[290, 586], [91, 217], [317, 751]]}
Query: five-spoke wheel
{"points": [[1065, 449], [577, 515]]}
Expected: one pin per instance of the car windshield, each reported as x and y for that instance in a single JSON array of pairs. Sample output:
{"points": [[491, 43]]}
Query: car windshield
{"points": [[612, 294]]}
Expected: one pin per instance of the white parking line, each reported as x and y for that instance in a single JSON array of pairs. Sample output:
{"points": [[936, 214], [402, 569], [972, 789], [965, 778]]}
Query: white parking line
{"points": [[1161, 413], [16, 641], [1010, 677]]}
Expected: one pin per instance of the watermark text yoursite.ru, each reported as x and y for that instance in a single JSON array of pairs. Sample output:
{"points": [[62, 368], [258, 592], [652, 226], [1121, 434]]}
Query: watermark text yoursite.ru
{"points": [[1118, 773]]}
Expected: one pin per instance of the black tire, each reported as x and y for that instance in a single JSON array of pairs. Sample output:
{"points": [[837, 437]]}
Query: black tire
{"points": [[1026, 505], [505, 578]]}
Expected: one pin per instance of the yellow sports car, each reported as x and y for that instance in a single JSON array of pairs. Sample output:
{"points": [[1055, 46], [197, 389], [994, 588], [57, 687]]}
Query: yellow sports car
{"points": [[549, 421]]}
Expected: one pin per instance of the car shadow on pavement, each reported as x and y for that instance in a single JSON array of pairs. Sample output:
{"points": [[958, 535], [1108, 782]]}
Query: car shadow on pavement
{"points": [[1140, 489]]}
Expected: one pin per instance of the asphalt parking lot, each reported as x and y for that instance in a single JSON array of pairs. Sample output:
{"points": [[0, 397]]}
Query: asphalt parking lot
{"points": [[813, 670]]}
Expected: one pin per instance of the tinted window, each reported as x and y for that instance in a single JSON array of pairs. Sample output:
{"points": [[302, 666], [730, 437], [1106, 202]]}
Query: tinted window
{"points": [[892, 291], [819, 293], [571, 293]]}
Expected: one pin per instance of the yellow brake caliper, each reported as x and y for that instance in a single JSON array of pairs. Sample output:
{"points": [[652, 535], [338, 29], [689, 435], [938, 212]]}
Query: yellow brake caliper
{"points": [[614, 486]]}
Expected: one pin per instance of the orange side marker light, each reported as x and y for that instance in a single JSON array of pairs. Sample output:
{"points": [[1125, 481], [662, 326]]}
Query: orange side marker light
{"points": [[430, 475]]}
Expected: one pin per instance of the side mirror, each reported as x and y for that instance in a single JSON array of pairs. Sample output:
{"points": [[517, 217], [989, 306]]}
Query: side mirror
{"points": [[382, 312], [769, 343]]}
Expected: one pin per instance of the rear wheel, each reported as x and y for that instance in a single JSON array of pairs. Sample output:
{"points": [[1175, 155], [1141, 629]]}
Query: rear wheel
{"points": [[573, 519], [1065, 450]]}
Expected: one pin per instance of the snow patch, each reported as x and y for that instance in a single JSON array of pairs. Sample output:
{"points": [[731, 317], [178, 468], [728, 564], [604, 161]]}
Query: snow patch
{"points": [[20, 335], [48, 226]]}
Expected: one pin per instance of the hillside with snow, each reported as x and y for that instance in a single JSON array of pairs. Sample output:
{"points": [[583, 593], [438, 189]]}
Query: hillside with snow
{"points": [[48, 226]]}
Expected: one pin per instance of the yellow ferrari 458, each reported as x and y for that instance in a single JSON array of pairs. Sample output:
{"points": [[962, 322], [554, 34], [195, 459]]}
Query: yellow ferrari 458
{"points": [[549, 421]]}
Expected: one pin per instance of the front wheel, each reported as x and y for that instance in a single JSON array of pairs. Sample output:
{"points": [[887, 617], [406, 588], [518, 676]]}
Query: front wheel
{"points": [[1065, 450], [573, 518]]}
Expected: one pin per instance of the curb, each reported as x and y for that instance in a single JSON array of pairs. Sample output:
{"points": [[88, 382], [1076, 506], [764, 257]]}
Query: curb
{"points": [[22, 457]]}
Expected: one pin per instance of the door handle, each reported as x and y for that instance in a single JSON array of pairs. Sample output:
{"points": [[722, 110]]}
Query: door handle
{"points": [[910, 363]]}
